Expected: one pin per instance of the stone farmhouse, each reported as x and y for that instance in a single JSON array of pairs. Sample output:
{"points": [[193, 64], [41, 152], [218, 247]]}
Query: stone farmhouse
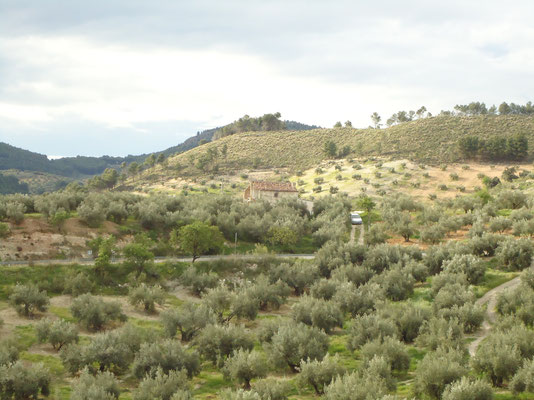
{"points": [[270, 191]]}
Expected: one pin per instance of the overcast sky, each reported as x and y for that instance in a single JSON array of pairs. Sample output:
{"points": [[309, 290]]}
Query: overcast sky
{"points": [[122, 77]]}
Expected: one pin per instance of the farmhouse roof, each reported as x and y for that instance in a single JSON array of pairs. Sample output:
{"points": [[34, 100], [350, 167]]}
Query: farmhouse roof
{"points": [[273, 186]]}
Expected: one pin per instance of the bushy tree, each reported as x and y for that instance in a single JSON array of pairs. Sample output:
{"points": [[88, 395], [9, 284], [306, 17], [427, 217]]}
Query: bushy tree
{"points": [[468, 389], [271, 389], [523, 380], [432, 234], [245, 365], [469, 315], [216, 342], [170, 386], [197, 281], [9, 352], [102, 386], [391, 349], [358, 301], [323, 314], [445, 279], [408, 319], [198, 238], [299, 276], [502, 353], [147, 296], [27, 299], [500, 224], [515, 255], [324, 289], [473, 267], [167, 355], [356, 274], [106, 352], [518, 302], [439, 332], [437, 370], [20, 381], [294, 342], [138, 257], [319, 374], [376, 234], [366, 328], [78, 284], [94, 313], [397, 284], [268, 295], [357, 386], [58, 333], [188, 320]]}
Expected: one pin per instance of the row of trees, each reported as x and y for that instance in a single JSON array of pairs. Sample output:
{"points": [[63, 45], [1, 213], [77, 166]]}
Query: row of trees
{"points": [[497, 148]]}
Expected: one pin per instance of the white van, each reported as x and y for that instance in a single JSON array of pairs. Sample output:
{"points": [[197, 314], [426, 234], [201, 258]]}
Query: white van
{"points": [[355, 218]]}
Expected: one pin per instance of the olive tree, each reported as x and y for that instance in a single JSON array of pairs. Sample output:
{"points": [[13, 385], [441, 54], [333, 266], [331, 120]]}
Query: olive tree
{"points": [[106, 352], [437, 370], [319, 374], [165, 386], [468, 389], [366, 328], [358, 301], [498, 357], [473, 267], [147, 296], [188, 320], [393, 351], [217, 342], [166, 355], [9, 352], [102, 386], [299, 276], [523, 380], [515, 255], [245, 365], [27, 300], [20, 381], [94, 313], [323, 314], [58, 333], [294, 342], [198, 281]]}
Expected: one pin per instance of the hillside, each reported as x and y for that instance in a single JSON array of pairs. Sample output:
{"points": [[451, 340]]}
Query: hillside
{"points": [[430, 140]]}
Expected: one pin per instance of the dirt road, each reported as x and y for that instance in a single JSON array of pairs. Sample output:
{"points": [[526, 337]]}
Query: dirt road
{"points": [[490, 299], [353, 234]]}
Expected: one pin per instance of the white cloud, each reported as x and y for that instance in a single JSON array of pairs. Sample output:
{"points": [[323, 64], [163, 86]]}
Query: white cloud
{"points": [[134, 67]]}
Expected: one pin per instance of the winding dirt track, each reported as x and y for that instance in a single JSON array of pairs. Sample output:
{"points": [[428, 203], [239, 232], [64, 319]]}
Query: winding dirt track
{"points": [[490, 298]]}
